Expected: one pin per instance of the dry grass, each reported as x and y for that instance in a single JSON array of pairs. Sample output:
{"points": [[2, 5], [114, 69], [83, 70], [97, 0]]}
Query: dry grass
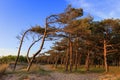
{"points": [[3, 68], [113, 69], [35, 67]]}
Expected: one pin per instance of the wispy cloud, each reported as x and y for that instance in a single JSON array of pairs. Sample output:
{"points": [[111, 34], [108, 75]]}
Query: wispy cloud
{"points": [[100, 8]]}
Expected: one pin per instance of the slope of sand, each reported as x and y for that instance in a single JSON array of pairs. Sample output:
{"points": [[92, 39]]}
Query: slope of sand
{"points": [[55, 75]]}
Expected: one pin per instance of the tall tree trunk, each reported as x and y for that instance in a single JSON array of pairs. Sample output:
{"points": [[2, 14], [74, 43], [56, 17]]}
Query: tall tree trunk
{"points": [[29, 50], [105, 58], [56, 61], [67, 60], [61, 61], [87, 64], [71, 56], [43, 40], [76, 60], [76, 56], [21, 42], [79, 59]]}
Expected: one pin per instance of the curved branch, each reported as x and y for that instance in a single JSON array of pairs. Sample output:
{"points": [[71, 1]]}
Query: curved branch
{"points": [[21, 42], [43, 40], [30, 48]]}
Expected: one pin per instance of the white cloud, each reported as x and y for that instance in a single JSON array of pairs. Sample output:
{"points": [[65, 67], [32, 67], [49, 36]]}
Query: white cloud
{"points": [[99, 8]]}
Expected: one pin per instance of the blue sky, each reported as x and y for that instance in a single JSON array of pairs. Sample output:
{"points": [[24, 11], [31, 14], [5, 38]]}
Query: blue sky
{"points": [[19, 15]]}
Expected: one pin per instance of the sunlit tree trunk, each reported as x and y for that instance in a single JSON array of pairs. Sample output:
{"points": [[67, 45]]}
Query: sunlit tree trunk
{"points": [[43, 40], [56, 60], [67, 60], [71, 56], [21, 42], [87, 64], [76, 60], [105, 57], [61, 61], [29, 50], [76, 56]]}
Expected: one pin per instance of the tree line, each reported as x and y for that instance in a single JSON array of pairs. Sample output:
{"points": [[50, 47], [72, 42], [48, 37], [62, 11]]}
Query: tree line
{"points": [[77, 41], [10, 59]]}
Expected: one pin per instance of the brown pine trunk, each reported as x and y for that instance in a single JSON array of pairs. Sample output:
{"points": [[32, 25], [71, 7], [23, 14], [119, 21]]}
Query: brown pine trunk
{"points": [[87, 65], [71, 56], [29, 50], [76, 60], [21, 42], [56, 61], [61, 61], [105, 58], [79, 59], [76, 56], [43, 40], [67, 60]]}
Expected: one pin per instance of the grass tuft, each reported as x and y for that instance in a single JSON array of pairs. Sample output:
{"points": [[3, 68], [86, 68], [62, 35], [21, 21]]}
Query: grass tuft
{"points": [[37, 70]]}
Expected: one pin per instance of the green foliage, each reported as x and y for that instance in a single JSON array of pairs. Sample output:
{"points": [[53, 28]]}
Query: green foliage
{"points": [[11, 58], [22, 59]]}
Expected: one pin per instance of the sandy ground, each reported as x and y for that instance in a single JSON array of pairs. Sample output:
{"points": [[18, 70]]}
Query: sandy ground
{"points": [[70, 76], [57, 76]]}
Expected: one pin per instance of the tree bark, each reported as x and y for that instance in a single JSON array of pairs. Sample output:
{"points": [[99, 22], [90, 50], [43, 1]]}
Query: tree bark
{"points": [[43, 40], [29, 50], [67, 60], [76, 56], [21, 42], [56, 61], [71, 56], [79, 59], [87, 64], [105, 58]]}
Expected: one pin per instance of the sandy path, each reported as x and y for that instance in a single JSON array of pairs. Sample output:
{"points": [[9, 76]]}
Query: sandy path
{"points": [[70, 76], [74, 76], [63, 76]]}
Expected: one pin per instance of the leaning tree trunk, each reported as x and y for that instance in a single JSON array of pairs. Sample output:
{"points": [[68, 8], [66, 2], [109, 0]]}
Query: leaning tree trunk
{"points": [[21, 42], [29, 50], [43, 40]]}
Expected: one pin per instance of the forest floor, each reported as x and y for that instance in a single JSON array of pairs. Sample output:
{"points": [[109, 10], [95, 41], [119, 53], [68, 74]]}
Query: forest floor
{"points": [[47, 72]]}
